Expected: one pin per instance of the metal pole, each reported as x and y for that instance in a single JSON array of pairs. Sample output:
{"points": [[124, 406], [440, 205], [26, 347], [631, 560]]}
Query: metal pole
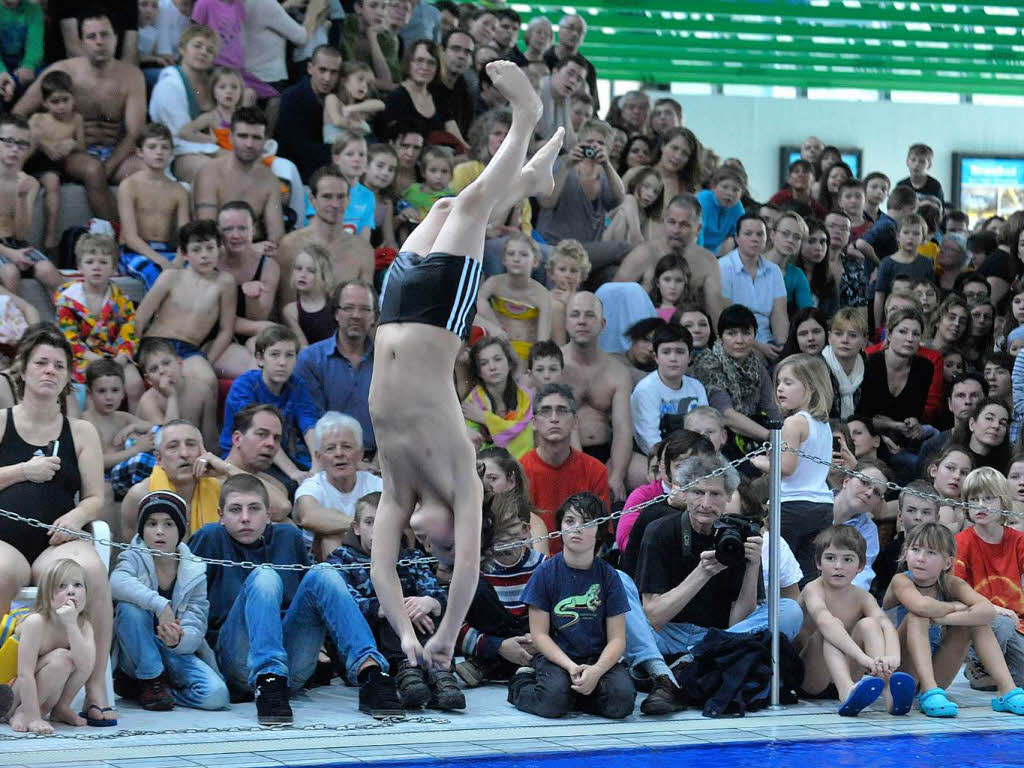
{"points": [[774, 534]]}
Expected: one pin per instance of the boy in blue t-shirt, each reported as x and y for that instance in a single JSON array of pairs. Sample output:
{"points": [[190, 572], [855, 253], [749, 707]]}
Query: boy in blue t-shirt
{"points": [[275, 383], [721, 209], [578, 624]]}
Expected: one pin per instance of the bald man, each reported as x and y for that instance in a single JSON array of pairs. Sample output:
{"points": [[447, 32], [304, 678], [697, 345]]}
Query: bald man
{"points": [[601, 385]]}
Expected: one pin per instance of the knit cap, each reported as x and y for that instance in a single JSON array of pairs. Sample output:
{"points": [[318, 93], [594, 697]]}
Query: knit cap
{"points": [[164, 501]]}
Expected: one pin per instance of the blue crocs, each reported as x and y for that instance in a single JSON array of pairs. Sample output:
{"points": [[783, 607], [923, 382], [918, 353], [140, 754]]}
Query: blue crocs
{"points": [[1012, 701], [901, 688], [935, 704], [864, 692]]}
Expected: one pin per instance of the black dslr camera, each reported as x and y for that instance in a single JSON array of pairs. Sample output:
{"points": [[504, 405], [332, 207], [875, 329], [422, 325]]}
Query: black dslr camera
{"points": [[731, 533]]}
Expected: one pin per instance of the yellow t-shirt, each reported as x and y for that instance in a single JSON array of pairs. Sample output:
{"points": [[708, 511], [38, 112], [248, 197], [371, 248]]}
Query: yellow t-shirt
{"points": [[466, 173]]}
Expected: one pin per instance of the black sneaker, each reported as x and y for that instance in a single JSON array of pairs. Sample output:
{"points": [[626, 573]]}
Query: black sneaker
{"points": [[522, 676], [272, 706], [444, 692], [663, 698], [377, 696], [412, 685]]}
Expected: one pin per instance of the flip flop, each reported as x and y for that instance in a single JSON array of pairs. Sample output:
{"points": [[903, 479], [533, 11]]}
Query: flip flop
{"points": [[934, 703], [98, 722], [1010, 702], [864, 692], [901, 688]]}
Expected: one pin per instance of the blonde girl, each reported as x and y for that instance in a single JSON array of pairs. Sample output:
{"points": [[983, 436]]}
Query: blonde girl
{"points": [[568, 267], [349, 108], [803, 393], [311, 315], [214, 127], [54, 651], [939, 617]]}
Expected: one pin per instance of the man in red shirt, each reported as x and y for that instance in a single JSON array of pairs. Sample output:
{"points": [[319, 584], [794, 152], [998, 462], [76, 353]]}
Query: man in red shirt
{"points": [[555, 470]]}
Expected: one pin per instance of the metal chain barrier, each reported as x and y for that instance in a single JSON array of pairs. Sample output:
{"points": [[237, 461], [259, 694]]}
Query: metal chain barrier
{"points": [[84, 536], [387, 722], [890, 486]]}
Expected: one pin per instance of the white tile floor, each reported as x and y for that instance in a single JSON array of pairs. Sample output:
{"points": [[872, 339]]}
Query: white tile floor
{"points": [[330, 731]]}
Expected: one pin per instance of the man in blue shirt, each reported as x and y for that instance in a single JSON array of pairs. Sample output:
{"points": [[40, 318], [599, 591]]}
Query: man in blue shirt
{"points": [[337, 370]]}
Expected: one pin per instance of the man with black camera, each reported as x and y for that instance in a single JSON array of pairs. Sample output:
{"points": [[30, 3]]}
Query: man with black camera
{"points": [[699, 570]]}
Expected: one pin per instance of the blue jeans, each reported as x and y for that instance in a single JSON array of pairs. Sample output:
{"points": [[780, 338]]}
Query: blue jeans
{"points": [[255, 640], [680, 637], [144, 656], [642, 655]]}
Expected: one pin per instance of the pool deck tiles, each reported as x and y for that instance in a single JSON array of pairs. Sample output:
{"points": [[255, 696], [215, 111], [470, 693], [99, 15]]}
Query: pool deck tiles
{"points": [[330, 731]]}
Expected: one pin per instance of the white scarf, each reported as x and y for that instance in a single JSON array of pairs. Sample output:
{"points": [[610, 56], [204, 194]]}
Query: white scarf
{"points": [[848, 384]]}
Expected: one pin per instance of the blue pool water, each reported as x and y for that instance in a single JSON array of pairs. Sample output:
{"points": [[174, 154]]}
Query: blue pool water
{"points": [[971, 750]]}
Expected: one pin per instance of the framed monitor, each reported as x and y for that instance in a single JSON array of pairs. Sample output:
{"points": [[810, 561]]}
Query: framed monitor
{"points": [[789, 153], [988, 184]]}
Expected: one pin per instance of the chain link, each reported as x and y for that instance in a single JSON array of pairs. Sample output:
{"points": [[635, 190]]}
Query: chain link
{"points": [[85, 536], [385, 722], [891, 486]]}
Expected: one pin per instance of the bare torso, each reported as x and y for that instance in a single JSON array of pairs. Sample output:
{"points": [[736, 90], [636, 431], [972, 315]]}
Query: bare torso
{"points": [[191, 309], [593, 385], [255, 185], [100, 96], [156, 204]]}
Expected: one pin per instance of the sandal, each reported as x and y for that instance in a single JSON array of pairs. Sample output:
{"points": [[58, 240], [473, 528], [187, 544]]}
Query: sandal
{"points": [[864, 692], [1010, 702], [98, 722], [934, 703], [901, 688]]}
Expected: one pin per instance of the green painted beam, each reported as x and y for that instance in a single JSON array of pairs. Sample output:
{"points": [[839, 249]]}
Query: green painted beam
{"points": [[720, 6], [725, 54], [658, 23], [664, 44]]}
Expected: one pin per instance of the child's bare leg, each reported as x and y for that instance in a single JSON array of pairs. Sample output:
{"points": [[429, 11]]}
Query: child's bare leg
{"points": [[52, 673], [816, 671], [951, 654], [62, 712], [199, 404], [51, 183], [466, 227], [11, 278], [987, 648], [868, 635], [918, 650], [46, 273], [235, 361]]}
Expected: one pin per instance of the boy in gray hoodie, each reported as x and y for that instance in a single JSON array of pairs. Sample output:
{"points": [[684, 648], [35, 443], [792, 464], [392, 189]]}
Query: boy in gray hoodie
{"points": [[161, 616]]}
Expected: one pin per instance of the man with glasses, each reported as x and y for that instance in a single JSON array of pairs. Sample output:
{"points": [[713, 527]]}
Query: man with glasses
{"points": [[572, 29], [452, 90], [338, 369], [554, 468], [18, 190]]}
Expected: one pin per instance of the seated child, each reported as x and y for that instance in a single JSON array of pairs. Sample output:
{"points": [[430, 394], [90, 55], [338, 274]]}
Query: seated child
{"points": [[214, 127], [96, 318], [50, 651], [275, 383], [18, 192], [311, 315], [721, 209], [939, 616], [161, 615], [911, 232], [349, 108], [425, 601], [127, 440], [578, 626], [513, 302], [638, 218], [846, 635], [381, 163], [171, 395], [568, 267], [57, 132], [436, 165], [544, 365], [194, 311], [990, 558], [913, 510], [295, 611], [152, 208], [495, 638]]}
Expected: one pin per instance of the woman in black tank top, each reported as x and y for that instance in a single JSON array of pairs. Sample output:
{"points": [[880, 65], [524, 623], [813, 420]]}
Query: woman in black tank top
{"points": [[46, 460]]}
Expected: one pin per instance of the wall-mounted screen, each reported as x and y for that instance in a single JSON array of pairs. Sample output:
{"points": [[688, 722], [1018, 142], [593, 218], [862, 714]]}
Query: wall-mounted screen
{"points": [[988, 184], [791, 153]]}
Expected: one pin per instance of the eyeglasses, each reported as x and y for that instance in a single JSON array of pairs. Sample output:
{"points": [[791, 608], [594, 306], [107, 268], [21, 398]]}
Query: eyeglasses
{"points": [[19, 143], [547, 411]]}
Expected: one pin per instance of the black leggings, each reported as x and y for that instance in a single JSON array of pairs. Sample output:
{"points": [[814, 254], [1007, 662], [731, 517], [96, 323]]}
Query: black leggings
{"points": [[802, 521]]}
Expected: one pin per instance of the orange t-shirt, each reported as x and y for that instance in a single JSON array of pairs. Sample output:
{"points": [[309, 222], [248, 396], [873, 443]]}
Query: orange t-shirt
{"points": [[550, 486], [993, 570]]}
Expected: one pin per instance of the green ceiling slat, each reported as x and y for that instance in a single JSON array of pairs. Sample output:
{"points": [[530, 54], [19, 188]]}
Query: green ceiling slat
{"points": [[667, 47], [623, 21]]}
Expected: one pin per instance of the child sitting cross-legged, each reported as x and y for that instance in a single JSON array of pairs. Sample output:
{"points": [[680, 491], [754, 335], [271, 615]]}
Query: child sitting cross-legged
{"points": [[846, 635], [939, 616], [425, 602], [162, 612], [578, 625], [990, 558]]}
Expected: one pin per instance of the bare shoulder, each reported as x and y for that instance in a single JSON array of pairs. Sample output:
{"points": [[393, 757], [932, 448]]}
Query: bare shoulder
{"points": [[700, 257], [84, 433], [225, 282]]}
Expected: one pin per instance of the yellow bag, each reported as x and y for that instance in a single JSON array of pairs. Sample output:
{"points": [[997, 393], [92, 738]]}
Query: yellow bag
{"points": [[9, 643]]}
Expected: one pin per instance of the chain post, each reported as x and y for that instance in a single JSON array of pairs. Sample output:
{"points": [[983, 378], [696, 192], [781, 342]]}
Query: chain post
{"points": [[774, 534]]}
